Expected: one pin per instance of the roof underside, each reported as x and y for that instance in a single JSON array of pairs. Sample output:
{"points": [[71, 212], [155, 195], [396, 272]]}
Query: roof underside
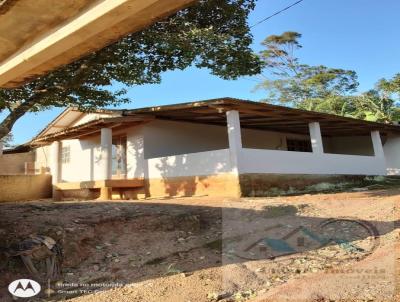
{"points": [[253, 115], [37, 36]]}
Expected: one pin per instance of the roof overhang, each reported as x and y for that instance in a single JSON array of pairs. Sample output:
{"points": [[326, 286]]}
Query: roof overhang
{"points": [[90, 128], [253, 115], [263, 116], [41, 35]]}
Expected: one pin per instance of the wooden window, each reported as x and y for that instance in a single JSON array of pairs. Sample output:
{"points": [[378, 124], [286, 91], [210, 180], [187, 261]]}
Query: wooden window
{"points": [[65, 155], [298, 145]]}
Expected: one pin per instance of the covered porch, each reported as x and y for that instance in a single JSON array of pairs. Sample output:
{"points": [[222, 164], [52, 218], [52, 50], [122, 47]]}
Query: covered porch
{"points": [[209, 147]]}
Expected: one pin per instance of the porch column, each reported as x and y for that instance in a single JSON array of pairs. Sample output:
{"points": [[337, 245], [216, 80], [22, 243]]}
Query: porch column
{"points": [[55, 169], [377, 144], [234, 138], [55, 162], [316, 138], [106, 161]]}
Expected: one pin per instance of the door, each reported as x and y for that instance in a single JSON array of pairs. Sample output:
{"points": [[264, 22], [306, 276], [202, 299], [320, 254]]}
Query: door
{"points": [[119, 157]]}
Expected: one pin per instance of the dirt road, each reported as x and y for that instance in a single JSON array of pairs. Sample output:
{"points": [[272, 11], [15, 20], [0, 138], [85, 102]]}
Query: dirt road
{"points": [[324, 247]]}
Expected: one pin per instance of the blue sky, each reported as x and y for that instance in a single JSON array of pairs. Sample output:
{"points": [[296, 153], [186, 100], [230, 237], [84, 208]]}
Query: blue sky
{"points": [[361, 35]]}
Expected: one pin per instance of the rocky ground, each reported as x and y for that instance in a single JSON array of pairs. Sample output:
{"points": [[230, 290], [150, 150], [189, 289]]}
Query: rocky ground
{"points": [[323, 247]]}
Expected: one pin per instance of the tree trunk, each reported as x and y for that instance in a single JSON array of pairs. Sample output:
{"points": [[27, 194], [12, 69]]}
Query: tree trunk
{"points": [[7, 124]]}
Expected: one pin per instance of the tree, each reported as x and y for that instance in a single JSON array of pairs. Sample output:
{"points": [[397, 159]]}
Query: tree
{"points": [[7, 140], [212, 34], [324, 89], [381, 104], [301, 85]]}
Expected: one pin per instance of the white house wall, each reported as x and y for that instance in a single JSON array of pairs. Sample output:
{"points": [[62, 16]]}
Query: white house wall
{"points": [[288, 162], [166, 148], [135, 152], [194, 164], [84, 160], [391, 149], [164, 138]]}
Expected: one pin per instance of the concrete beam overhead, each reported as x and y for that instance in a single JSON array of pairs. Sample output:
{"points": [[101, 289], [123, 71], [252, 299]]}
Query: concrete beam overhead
{"points": [[39, 36]]}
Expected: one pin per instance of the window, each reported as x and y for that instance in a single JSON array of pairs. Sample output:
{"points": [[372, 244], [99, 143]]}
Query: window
{"points": [[65, 154], [298, 145]]}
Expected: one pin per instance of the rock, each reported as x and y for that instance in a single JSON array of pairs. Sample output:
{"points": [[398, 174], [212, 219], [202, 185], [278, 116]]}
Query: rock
{"points": [[218, 296], [96, 268], [260, 270], [239, 296], [116, 260]]}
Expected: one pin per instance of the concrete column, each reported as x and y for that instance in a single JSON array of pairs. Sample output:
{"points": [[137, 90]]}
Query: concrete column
{"points": [[55, 162], [316, 138], [55, 169], [106, 153], [106, 162], [234, 138], [377, 144]]}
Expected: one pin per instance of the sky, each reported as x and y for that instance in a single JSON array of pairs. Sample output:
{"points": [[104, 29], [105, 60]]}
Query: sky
{"points": [[361, 35]]}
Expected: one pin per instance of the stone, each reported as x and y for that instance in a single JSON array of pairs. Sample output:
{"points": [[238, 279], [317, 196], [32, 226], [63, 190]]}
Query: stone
{"points": [[218, 296]]}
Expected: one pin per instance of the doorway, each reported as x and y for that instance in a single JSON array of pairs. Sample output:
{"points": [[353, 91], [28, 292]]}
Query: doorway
{"points": [[119, 166]]}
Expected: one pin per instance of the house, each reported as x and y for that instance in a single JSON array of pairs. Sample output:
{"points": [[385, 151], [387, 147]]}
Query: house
{"points": [[219, 147]]}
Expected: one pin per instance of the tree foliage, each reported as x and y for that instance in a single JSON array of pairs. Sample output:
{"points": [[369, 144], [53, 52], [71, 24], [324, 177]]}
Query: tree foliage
{"points": [[212, 34], [297, 84], [321, 88]]}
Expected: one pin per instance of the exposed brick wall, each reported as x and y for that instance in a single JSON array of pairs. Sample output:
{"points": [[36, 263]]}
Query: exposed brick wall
{"points": [[25, 187], [225, 185], [14, 164]]}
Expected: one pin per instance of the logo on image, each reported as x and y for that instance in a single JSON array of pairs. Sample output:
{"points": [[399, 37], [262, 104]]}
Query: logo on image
{"points": [[24, 288]]}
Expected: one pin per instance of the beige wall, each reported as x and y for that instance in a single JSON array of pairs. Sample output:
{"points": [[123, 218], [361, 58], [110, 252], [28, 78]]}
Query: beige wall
{"points": [[11, 164], [42, 158], [24, 187]]}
